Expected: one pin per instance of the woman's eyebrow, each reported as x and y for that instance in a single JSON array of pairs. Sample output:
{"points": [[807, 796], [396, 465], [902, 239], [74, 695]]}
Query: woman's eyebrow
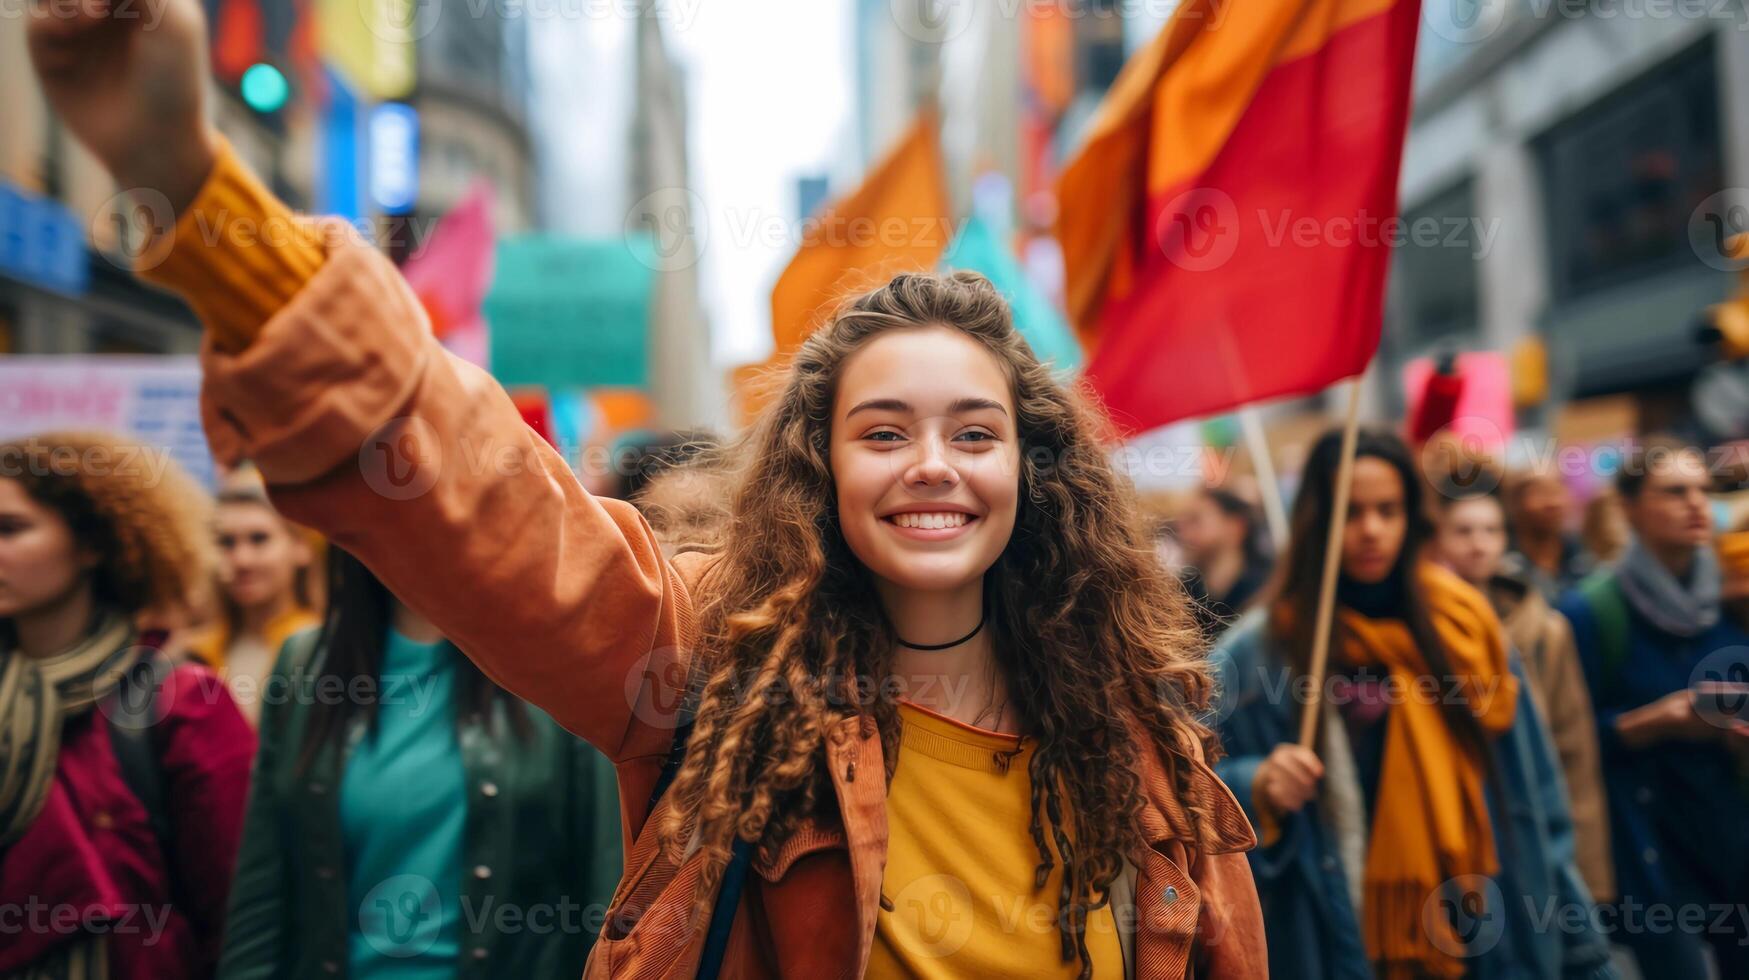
{"points": [[896, 405]]}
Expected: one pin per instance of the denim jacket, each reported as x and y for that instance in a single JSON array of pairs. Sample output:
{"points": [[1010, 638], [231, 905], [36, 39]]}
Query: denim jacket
{"points": [[1540, 921]]}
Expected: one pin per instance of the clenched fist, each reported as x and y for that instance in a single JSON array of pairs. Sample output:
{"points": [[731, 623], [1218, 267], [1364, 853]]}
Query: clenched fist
{"points": [[129, 79]]}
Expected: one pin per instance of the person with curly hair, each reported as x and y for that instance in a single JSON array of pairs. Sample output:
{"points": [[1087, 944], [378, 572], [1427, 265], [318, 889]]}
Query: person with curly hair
{"points": [[930, 709], [122, 777]]}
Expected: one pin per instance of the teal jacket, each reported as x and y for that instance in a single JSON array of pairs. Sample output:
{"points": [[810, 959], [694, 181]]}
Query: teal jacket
{"points": [[541, 851]]}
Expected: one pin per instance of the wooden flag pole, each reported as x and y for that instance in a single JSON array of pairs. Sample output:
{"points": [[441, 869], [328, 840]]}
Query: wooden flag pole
{"points": [[1332, 564], [1274, 512]]}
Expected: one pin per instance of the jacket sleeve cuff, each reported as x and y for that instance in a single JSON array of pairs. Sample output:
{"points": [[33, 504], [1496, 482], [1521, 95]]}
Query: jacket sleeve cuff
{"points": [[237, 255], [319, 379]]}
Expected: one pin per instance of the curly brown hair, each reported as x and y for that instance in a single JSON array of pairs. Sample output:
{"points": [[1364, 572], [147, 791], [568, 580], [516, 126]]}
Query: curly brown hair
{"points": [[139, 512], [1094, 638]]}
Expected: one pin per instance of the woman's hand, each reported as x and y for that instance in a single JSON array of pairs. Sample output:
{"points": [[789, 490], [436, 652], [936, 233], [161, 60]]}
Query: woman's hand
{"points": [[1670, 718], [1286, 779], [129, 80]]}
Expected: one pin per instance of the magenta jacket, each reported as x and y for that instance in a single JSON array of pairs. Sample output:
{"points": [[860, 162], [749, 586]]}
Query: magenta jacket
{"points": [[92, 857]]}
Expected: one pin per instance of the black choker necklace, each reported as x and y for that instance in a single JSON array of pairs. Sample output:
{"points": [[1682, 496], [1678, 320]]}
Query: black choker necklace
{"points": [[955, 643]]}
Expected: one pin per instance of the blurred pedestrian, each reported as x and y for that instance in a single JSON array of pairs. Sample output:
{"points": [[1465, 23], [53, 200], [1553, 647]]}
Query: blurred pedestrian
{"points": [[1603, 532], [425, 824], [1472, 543], [1430, 806], [1226, 553], [1539, 507], [123, 776], [265, 592], [1647, 630], [687, 505]]}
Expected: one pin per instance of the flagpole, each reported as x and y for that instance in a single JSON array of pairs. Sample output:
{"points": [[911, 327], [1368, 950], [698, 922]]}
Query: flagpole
{"points": [[1316, 670], [1257, 444]]}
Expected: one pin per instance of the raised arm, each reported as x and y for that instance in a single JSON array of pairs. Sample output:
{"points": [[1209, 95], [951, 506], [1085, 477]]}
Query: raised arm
{"points": [[320, 367]]}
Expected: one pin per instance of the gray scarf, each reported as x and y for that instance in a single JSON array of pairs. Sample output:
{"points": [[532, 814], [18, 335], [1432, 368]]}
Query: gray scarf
{"points": [[1675, 608]]}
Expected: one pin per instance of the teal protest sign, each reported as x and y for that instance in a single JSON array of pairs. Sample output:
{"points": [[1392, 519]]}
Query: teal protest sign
{"points": [[977, 248], [570, 312]]}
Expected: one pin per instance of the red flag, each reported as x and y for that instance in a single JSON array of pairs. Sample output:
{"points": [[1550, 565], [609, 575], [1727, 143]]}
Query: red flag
{"points": [[1225, 226]]}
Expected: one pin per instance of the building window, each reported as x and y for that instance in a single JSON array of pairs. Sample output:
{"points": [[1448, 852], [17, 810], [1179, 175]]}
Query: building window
{"points": [[1436, 293], [1622, 177]]}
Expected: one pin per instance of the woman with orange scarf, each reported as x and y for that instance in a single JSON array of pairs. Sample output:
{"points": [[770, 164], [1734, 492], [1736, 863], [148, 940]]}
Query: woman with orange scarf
{"points": [[1425, 834]]}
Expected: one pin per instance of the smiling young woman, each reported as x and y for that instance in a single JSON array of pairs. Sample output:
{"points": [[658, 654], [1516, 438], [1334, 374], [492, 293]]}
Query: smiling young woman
{"points": [[942, 699]]}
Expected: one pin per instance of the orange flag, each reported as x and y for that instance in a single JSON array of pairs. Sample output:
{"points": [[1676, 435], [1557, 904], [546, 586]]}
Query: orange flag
{"points": [[896, 221], [1226, 227]]}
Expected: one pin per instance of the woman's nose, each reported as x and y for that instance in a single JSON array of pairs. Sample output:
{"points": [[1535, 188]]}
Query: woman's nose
{"points": [[931, 467]]}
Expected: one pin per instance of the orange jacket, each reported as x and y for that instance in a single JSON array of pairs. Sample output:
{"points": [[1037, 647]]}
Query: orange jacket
{"points": [[367, 430]]}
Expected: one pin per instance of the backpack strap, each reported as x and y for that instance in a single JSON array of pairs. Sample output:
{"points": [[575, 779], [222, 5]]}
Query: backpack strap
{"points": [[1609, 608], [734, 881], [132, 716]]}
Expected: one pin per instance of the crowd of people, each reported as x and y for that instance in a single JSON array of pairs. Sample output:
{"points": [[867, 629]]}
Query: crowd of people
{"points": [[217, 762], [894, 685], [1612, 788]]}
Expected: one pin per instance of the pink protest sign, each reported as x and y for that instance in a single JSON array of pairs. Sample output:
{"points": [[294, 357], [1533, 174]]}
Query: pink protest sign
{"points": [[1482, 416]]}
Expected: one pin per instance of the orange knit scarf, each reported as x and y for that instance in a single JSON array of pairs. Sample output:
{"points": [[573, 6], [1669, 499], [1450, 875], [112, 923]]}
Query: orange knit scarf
{"points": [[1430, 821]]}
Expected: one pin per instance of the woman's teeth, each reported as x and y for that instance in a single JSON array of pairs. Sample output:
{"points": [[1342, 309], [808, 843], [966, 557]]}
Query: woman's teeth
{"points": [[931, 521]]}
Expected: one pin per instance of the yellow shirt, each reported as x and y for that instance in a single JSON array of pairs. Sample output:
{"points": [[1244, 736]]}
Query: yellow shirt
{"points": [[960, 865]]}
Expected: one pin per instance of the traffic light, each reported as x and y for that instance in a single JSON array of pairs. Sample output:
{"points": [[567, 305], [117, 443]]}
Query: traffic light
{"points": [[1731, 318], [264, 88]]}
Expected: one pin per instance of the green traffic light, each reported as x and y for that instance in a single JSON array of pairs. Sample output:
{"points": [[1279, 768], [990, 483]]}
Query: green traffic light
{"points": [[264, 88]]}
